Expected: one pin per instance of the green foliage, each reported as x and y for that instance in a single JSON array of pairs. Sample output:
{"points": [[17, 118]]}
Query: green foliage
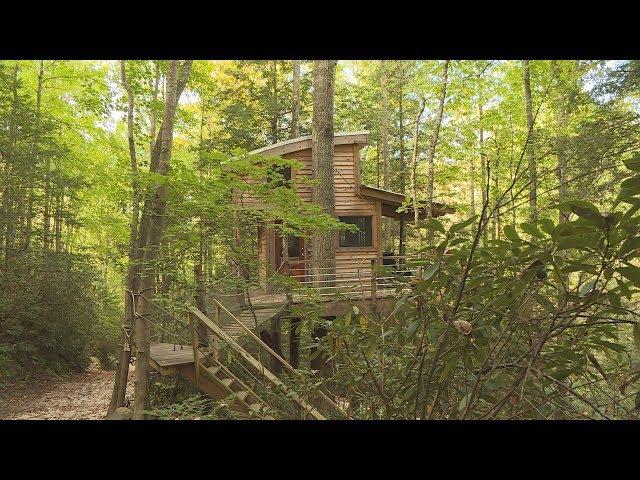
{"points": [[542, 329], [49, 318]]}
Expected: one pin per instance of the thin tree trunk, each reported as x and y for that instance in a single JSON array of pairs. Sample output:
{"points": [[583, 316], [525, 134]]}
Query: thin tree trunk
{"points": [[414, 173], [295, 100], [434, 143], [561, 148], [533, 176], [384, 133], [483, 160]]}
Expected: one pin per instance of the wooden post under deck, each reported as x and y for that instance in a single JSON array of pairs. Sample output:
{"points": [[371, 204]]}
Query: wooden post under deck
{"points": [[294, 342], [374, 286], [193, 321]]}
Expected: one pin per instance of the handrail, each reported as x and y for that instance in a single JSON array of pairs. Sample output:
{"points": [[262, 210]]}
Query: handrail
{"points": [[275, 354]]}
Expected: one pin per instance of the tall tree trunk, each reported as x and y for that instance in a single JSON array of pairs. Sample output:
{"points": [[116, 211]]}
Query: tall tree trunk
{"points": [[384, 133], [561, 115], [122, 369], [431, 152], [8, 198], [274, 113], [414, 173], [403, 163], [154, 208], [484, 167], [323, 245], [533, 176], [295, 100]]}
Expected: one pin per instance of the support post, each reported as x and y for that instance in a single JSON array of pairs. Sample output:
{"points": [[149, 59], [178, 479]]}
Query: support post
{"points": [[374, 285], [294, 342], [193, 321], [276, 339], [402, 248]]}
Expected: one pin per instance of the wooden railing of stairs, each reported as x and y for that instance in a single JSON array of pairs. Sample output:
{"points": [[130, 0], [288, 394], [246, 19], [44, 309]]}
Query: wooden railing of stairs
{"points": [[310, 411]]}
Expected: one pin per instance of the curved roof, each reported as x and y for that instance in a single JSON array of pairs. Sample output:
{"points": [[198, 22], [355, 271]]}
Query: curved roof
{"points": [[304, 143]]}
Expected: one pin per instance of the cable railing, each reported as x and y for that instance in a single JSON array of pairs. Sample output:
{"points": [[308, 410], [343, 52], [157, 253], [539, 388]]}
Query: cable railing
{"points": [[355, 278]]}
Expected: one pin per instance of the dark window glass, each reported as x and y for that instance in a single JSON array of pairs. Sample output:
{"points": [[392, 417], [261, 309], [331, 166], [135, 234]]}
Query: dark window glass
{"points": [[294, 247], [286, 173], [362, 238]]}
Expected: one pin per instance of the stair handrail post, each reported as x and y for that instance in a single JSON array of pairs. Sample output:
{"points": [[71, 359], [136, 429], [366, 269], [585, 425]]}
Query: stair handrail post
{"points": [[194, 345], [374, 285], [287, 272]]}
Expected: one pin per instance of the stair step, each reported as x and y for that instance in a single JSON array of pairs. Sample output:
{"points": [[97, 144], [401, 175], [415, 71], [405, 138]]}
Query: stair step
{"points": [[227, 381], [242, 394], [214, 370]]}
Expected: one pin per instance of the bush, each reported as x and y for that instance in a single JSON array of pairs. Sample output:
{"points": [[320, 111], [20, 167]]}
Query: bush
{"points": [[50, 315]]}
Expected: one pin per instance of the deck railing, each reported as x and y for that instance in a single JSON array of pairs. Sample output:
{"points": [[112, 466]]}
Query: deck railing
{"points": [[363, 277]]}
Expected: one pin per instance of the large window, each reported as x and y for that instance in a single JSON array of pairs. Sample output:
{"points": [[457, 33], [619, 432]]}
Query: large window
{"points": [[362, 238]]}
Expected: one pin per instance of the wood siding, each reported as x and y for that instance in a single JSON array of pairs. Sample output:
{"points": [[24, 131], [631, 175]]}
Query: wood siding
{"points": [[350, 261]]}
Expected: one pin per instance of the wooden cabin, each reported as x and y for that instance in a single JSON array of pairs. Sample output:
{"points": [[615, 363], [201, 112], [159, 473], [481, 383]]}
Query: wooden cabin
{"points": [[356, 203]]}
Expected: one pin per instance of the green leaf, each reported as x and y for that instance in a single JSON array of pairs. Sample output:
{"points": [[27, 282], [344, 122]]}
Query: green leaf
{"points": [[632, 273], [459, 226], [636, 335], [428, 272], [356, 310], [511, 234], [630, 244], [433, 224], [531, 230], [579, 207], [547, 225], [413, 327], [633, 163], [586, 288]]}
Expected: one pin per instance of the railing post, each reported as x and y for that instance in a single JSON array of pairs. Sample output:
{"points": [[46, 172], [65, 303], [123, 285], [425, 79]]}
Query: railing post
{"points": [[194, 346], [374, 285], [287, 273]]}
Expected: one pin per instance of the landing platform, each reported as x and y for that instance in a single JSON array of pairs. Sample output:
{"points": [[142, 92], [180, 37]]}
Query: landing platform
{"points": [[169, 355]]}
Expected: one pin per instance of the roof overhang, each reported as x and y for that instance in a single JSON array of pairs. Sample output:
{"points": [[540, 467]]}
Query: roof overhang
{"points": [[391, 201], [304, 143]]}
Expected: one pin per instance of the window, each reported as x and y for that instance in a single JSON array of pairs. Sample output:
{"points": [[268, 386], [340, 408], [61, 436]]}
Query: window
{"points": [[285, 171], [362, 238]]}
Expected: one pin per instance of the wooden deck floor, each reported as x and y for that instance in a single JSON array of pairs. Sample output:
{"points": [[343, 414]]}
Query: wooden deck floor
{"points": [[169, 355]]}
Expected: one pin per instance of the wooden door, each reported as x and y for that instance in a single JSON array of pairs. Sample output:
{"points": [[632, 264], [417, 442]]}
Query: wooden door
{"points": [[297, 256]]}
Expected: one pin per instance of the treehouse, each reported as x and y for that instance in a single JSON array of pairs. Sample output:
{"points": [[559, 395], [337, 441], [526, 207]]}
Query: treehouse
{"points": [[361, 275], [355, 203]]}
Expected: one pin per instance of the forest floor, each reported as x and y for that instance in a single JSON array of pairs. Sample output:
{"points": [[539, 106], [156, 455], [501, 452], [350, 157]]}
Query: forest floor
{"points": [[79, 396]]}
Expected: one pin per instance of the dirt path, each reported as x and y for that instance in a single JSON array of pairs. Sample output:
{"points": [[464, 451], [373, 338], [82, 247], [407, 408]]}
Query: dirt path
{"points": [[79, 396]]}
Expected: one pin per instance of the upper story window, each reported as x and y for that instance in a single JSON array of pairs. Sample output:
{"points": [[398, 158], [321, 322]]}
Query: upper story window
{"points": [[285, 171], [362, 238]]}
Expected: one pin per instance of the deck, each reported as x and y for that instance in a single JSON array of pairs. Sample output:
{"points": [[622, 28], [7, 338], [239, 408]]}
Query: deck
{"points": [[170, 354]]}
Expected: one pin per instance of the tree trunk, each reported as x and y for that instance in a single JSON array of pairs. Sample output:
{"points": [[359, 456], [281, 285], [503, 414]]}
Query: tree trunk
{"points": [[434, 143], [484, 168], [561, 115], [295, 100], [323, 245], [122, 369], [414, 176], [533, 176], [155, 206], [384, 134], [403, 163]]}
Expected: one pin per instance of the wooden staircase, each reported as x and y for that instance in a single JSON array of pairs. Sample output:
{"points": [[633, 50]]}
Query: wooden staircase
{"points": [[246, 317], [214, 378]]}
